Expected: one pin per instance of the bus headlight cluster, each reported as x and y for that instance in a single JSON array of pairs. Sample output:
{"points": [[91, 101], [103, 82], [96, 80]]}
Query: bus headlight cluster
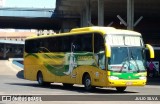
{"points": [[113, 78], [142, 78]]}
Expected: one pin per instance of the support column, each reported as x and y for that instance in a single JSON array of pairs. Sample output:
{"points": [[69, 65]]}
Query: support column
{"points": [[130, 14], [5, 51], [88, 12], [100, 12], [83, 18]]}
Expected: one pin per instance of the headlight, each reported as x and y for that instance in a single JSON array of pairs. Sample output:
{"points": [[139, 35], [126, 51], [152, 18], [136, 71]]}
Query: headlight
{"points": [[142, 78], [113, 78]]}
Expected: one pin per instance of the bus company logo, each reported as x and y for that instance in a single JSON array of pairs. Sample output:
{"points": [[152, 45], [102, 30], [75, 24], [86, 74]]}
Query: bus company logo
{"points": [[129, 77], [6, 98]]}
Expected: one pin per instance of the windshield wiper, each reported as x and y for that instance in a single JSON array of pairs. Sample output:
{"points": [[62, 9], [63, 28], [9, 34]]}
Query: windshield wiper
{"points": [[124, 63], [138, 70]]}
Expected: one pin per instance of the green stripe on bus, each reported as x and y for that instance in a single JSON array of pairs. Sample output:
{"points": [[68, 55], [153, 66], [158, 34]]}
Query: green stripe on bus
{"points": [[122, 75], [31, 54]]}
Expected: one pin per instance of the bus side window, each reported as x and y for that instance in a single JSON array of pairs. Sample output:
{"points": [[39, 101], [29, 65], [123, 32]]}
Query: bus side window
{"points": [[51, 42], [66, 44], [77, 43], [54, 45], [31, 46], [98, 43], [45, 45], [87, 42]]}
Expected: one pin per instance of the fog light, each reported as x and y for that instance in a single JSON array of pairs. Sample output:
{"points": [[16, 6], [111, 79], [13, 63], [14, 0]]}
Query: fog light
{"points": [[142, 78], [113, 78]]}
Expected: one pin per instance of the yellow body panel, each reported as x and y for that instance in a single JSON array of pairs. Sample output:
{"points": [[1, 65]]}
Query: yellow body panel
{"points": [[98, 76], [126, 83], [43, 62]]}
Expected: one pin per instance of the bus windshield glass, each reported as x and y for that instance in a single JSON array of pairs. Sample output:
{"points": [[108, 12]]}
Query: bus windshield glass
{"points": [[127, 59], [127, 54]]}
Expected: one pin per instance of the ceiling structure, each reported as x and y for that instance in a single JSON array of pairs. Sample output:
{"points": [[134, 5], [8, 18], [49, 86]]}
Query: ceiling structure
{"points": [[112, 7], [29, 18], [29, 23], [149, 9]]}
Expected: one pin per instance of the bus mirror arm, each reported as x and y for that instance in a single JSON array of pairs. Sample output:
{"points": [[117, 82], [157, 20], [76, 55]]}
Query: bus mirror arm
{"points": [[72, 47], [108, 50], [151, 50]]}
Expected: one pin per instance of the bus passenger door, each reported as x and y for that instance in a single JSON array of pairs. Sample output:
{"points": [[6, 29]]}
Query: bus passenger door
{"points": [[100, 59]]}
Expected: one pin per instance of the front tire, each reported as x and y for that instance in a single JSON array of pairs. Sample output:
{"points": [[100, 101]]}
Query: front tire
{"points": [[120, 89], [87, 82]]}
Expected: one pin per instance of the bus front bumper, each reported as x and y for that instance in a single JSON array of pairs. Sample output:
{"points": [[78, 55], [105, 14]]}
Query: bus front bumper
{"points": [[120, 82]]}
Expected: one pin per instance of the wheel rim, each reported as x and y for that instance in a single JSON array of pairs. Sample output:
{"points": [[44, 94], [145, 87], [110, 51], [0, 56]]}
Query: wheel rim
{"points": [[40, 79], [88, 82]]}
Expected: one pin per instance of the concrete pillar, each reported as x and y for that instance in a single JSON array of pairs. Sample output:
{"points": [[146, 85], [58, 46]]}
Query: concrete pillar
{"points": [[83, 18], [86, 14], [130, 14], [100, 12], [5, 51]]}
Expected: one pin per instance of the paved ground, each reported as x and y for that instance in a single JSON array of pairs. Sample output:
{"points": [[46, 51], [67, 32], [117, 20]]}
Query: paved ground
{"points": [[12, 82]]}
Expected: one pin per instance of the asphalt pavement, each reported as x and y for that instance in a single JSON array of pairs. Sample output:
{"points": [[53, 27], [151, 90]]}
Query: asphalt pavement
{"points": [[153, 80], [11, 84]]}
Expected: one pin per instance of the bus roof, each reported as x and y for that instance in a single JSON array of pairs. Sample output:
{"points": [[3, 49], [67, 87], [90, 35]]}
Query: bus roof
{"points": [[102, 30], [105, 30]]}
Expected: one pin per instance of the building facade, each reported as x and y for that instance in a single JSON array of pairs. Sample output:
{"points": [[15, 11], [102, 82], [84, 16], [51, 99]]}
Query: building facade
{"points": [[12, 43]]}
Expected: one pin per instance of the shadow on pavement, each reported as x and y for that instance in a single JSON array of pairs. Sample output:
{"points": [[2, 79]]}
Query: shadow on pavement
{"points": [[153, 80], [20, 74], [74, 88]]}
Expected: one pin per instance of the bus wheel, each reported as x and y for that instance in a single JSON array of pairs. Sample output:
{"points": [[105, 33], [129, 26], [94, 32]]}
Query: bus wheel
{"points": [[87, 82], [67, 85], [120, 89], [40, 79]]}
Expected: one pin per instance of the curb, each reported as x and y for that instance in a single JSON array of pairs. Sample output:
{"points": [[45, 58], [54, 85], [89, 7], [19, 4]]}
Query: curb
{"points": [[14, 62]]}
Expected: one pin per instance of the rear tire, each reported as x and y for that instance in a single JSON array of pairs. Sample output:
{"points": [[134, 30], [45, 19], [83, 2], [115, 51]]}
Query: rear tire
{"points": [[120, 89], [40, 80]]}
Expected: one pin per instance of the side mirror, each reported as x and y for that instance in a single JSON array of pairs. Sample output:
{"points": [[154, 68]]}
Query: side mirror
{"points": [[108, 50], [151, 50]]}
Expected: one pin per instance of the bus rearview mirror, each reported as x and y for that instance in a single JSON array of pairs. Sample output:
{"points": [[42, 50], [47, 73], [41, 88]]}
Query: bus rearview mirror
{"points": [[108, 50], [151, 50]]}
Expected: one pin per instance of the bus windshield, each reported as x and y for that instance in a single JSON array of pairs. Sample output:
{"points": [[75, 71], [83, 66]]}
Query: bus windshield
{"points": [[127, 59]]}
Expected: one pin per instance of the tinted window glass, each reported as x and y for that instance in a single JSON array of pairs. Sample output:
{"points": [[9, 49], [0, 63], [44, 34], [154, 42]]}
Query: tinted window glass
{"points": [[82, 42], [98, 43], [31, 46], [66, 44], [60, 44], [87, 43]]}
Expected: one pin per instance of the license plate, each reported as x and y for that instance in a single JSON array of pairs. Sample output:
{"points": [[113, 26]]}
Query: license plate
{"points": [[128, 83]]}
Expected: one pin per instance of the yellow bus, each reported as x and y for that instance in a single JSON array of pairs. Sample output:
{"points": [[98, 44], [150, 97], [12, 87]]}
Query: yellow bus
{"points": [[90, 56]]}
